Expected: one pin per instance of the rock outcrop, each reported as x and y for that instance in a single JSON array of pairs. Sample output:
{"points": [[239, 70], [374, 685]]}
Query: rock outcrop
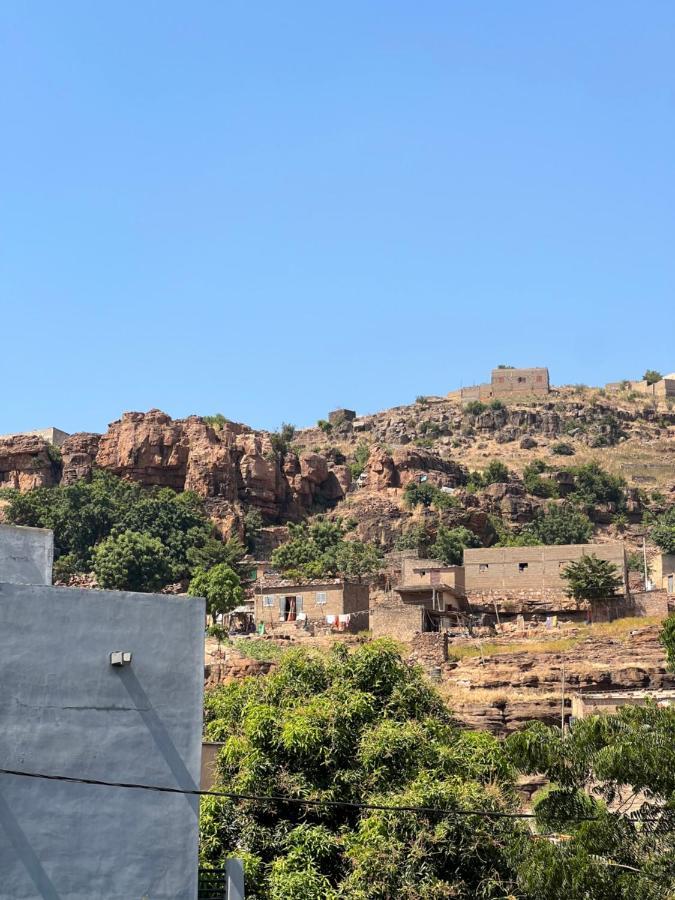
{"points": [[232, 467], [27, 462]]}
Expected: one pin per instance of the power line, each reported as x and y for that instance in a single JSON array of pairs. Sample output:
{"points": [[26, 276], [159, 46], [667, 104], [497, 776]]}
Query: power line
{"points": [[276, 798]]}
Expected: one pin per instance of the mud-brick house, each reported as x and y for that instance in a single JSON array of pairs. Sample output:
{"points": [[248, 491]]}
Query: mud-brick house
{"points": [[341, 603], [663, 572], [521, 580], [421, 595]]}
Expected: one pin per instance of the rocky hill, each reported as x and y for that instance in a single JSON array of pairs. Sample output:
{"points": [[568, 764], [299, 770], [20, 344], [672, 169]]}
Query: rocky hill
{"points": [[359, 469]]}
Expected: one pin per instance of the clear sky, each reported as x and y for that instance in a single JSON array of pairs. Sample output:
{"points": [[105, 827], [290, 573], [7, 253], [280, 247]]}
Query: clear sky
{"points": [[271, 209]]}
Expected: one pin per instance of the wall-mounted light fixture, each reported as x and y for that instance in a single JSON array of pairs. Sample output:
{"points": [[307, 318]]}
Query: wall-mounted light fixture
{"points": [[120, 658]]}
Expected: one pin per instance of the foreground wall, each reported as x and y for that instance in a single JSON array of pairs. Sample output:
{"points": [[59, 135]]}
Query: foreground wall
{"points": [[26, 555], [65, 710]]}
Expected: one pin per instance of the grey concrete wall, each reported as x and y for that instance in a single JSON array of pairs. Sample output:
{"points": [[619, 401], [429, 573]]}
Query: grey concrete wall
{"points": [[26, 555], [65, 710]]}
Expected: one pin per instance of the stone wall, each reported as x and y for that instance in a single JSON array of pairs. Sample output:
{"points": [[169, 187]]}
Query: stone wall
{"points": [[396, 619], [429, 649], [650, 603]]}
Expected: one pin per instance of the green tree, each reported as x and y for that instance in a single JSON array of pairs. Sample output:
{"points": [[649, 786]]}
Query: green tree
{"points": [[560, 525], [319, 550], [619, 855], [450, 544], [663, 532], [535, 484], [590, 578], [131, 561], [363, 727], [667, 638], [220, 586], [495, 473], [651, 376], [595, 485]]}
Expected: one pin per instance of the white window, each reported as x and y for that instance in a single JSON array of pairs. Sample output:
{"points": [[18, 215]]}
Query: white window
{"points": [[268, 600], [321, 597]]}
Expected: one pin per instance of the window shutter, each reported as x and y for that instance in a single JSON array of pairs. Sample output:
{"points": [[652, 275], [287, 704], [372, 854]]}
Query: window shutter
{"points": [[282, 609], [298, 603]]}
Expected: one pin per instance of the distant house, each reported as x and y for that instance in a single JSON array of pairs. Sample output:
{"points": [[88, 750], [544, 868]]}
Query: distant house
{"points": [[659, 390], [52, 435], [422, 595], [594, 703], [341, 603], [663, 572], [531, 578], [507, 383]]}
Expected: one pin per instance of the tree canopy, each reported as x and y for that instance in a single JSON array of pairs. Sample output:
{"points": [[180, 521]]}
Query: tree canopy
{"points": [[590, 578], [560, 524], [320, 549], [220, 586], [106, 510]]}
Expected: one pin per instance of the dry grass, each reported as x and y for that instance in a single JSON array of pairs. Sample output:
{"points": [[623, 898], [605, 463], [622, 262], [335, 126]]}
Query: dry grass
{"points": [[618, 630]]}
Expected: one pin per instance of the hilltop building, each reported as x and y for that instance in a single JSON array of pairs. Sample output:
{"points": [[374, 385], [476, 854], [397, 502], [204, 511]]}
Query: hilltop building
{"points": [[660, 390], [52, 435], [507, 383], [106, 686]]}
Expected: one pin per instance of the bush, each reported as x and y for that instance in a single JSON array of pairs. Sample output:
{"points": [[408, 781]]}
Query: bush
{"points": [[361, 455], [217, 421], [475, 408], [563, 449], [325, 426], [595, 485], [535, 484], [281, 440], [131, 561], [663, 532], [450, 544], [651, 376], [495, 473], [497, 404]]}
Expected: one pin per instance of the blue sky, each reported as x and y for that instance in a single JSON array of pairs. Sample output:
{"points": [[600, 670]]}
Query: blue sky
{"points": [[273, 209]]}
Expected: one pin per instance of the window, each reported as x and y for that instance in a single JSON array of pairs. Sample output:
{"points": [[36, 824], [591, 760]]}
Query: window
{"points": [[670, 584], [522, 567], [483, 567], [268, 600], [321, 597], [521, 379]]}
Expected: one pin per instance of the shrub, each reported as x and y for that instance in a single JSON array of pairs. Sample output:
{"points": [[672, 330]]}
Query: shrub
{"points": [[562, 449], [361, 455], [216, 421], [421, 399], [593, 484], [495, 473], [535, 484], [450, 544], [497, 404], [281, 440], [663, 532], [475, 407], [651, 376], [325, 426]]}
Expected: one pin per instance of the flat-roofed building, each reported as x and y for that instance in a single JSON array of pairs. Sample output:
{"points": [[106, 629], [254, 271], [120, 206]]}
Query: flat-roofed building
{"points": [[531, 578], [339, 602], [52, 435]]}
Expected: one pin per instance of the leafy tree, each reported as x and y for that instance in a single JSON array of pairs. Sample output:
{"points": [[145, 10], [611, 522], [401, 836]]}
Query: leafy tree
{"points": [[85, 513], [667, 638], [535, 484], [362, 727], [663, 532], [131, 561], [595, 485], [417, 536], [590, 578], [420, 493], [450, 544], [651, 376], [560, 525], [253, 524], [495, 473], [220, 586], [319, 550], [611, 855]]}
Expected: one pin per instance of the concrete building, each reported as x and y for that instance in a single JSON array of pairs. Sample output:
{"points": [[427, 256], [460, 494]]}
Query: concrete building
{"points": [[71, 707], [522, 579], [423, 595], [606, 703], [26, 555], [507, 383], [663, 572], [53, 435], [662, 390], [338, 602]]}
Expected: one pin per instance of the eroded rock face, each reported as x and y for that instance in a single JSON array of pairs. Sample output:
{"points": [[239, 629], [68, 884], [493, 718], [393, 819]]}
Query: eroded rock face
{"points": [[27, 462], [232, 467]]}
